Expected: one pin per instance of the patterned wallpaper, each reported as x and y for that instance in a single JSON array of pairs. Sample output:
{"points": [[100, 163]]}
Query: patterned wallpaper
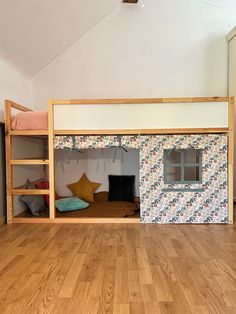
{"points": [[173, 203]]}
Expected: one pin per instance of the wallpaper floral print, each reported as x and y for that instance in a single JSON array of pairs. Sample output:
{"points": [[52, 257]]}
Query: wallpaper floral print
{"points": [[205, 202], [85, 142]]}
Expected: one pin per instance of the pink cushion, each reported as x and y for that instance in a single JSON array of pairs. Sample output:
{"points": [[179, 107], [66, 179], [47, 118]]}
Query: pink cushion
{"points": [[44, 185], [31, 120]]}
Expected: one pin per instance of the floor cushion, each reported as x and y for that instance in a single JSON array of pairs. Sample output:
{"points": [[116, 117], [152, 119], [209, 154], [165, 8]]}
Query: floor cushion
{"points": [[84, 189], [121, 188], [44, 185], [70, 203], [35, 203]]}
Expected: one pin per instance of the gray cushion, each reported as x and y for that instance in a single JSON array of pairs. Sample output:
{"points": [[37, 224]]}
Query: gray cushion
{"points": [[35, 203], [29, 185]]}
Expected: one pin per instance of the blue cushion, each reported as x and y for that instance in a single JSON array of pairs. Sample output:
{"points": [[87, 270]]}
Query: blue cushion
{"points": [[70, 203]]}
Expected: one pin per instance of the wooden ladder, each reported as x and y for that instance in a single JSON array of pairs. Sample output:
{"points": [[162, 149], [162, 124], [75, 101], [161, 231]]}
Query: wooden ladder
{"points": [[9, 133]]}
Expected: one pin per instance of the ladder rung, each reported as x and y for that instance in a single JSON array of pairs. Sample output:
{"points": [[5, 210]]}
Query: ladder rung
{"points": [[29, 132], [29, 192], [29, 162]]}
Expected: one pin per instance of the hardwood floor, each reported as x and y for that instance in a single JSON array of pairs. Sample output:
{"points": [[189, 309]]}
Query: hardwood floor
{"points": [[118, 269]]}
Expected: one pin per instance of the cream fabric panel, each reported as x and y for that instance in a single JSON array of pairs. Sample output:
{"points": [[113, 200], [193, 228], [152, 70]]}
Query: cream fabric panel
{"points": [[141, 116]]}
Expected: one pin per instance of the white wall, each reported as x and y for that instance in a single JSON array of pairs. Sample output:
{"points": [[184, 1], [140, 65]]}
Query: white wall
{"points": [[97, 164], [17, 88], [154, 49], [13, 86]]}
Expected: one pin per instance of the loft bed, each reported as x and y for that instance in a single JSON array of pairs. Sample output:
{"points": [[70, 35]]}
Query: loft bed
{"points": [[106, 117]]}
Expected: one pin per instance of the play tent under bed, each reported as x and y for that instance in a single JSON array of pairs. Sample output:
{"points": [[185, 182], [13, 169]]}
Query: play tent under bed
{"points": [[157, 127]]}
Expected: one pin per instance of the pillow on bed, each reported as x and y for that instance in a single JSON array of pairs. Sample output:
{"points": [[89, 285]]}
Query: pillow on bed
{"points": [[84, 189], [70, 203], [121, 188], [30, 120], [35, 203]]}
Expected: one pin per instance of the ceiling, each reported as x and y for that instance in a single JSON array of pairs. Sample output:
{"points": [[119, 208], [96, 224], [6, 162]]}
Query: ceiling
{"points": [[34, 32]]}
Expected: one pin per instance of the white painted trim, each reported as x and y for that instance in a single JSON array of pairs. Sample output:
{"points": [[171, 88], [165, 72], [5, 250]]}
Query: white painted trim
{"points": [[231, 35]]}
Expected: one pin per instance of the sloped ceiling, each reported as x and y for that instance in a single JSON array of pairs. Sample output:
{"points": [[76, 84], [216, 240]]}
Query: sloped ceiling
{"points": [[34, 32]]}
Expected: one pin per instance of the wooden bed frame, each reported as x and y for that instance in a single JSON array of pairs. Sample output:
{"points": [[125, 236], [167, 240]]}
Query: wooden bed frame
{"points": [[9, 105]]}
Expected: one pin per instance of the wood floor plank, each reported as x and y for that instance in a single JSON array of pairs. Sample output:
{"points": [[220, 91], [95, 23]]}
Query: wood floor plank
{"points": [[134, 286], [121, 284], [117, 268], [121, 309], [71, 277]]}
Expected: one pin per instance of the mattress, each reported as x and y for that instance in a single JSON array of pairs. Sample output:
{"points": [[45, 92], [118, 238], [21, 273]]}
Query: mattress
{"points": [[30, 120], [102, 208]]}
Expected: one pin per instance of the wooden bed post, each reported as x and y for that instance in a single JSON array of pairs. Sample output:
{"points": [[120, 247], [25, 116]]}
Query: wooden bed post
{"points": [[51, 159], [231, 159], [8, 161]]}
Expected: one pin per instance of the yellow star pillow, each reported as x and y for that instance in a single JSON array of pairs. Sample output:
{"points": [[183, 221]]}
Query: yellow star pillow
{"points": [[84, 189]]}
